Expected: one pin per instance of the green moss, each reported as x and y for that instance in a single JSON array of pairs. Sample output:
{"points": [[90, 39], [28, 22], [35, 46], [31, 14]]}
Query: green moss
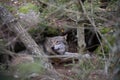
{"points": [[105, 30], [26, 8]]}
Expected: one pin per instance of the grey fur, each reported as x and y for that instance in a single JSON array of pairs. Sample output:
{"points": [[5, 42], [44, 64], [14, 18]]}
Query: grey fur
{"points": [[56, 45]]}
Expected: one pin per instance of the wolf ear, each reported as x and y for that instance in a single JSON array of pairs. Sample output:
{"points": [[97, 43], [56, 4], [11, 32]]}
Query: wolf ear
{"points": [[65, 37]]}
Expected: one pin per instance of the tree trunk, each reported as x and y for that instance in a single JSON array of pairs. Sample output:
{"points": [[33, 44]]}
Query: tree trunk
{"points": [[80, 30], [81, 39], [8, 19]]}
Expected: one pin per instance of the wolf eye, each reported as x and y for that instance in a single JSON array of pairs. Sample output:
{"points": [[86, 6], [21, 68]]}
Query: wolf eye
{"points": [[57, 41]]}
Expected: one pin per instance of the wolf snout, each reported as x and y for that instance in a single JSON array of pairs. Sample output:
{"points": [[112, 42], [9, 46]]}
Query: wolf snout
{"points": [[54, 48]]}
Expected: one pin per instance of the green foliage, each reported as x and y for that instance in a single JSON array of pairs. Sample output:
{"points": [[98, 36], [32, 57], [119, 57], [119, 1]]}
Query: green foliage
{"points": [[43, 30], [108, 35], [90, 64], [26, 69], [51, 31], [61, 2], [10, 8], [46, 12], [87, 66], [30, 68], [74, 7], [57, 2], [28, 7], [92, 6], [105, 30], [113, 1], [35, 31]]}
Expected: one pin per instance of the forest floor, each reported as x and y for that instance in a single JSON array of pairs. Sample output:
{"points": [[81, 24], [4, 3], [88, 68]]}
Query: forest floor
{"points": [[76, 71]]}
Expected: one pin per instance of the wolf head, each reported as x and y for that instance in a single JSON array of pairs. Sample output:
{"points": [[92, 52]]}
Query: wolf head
{"points": [[56, 45]]}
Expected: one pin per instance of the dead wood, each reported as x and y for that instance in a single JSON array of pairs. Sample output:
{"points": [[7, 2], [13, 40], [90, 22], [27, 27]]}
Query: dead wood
{"points": [[68, 57]]}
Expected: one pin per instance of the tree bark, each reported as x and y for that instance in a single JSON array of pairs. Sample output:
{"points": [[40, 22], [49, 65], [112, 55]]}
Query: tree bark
{"points": [[80, 30], [7, 18]]}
